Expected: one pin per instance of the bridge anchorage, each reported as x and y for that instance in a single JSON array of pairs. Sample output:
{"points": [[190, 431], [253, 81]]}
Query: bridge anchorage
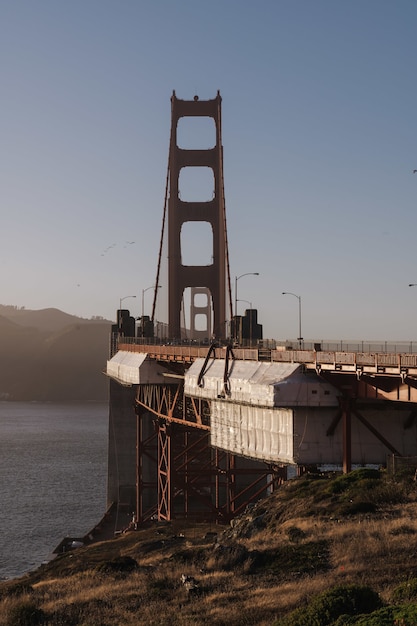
{"points": [[199, 428]]}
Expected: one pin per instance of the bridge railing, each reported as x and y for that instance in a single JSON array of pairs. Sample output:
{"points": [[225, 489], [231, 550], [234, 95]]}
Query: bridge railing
{"points": [[377, 360], [404, 364], [365, 347], [375, 354], [324, 345]]}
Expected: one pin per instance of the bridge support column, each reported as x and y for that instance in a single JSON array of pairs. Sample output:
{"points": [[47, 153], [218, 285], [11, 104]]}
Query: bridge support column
{"points": [[345, 405], [146, 465], [164, 471]]}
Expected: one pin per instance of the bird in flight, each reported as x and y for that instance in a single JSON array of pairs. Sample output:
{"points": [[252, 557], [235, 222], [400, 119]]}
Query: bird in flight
{"points": [[414, 171]]}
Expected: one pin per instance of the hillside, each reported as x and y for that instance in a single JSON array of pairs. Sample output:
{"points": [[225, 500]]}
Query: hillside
{"points": [[48, 355], [323, 550], [45, 320]]}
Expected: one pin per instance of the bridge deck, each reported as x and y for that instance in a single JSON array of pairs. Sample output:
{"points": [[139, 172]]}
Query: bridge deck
{"points": [[382, 363]]}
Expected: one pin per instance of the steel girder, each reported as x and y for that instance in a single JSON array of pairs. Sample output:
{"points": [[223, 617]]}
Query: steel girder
{"points": [[192, 479]]}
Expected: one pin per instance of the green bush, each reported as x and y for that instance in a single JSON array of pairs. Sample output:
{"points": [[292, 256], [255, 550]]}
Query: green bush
{"points": [[365, 476], [406, 591], [329, 606], [366, 473], [305, 486], [387, 616], [25, 614]]}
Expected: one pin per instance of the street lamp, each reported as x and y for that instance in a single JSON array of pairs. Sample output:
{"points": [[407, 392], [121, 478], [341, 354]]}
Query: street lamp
{"points": [[288, 293], [124, 298], [247, 302], [236, 279], [250, 319], [143, 298]]}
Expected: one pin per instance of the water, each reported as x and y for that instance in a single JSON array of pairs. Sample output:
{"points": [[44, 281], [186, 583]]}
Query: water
{"points": [[53, 476]]}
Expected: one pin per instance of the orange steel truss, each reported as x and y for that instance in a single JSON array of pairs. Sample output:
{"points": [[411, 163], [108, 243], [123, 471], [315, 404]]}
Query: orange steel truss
{"points": [[191, 479]]}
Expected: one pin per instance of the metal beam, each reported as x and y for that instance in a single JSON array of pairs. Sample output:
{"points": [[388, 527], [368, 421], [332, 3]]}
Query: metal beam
{"points": [[376, 433]]}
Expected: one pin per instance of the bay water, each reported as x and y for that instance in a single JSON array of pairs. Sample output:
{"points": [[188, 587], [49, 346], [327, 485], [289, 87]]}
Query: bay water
{"points": [[53, 478]]}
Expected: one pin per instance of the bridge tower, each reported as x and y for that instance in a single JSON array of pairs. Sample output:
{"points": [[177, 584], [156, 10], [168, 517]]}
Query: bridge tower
{"points": [[161, 461], [212, 276]]}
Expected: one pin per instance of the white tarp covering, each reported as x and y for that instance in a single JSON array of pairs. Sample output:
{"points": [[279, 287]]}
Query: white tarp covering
{"points": [[260, 433], [301, 435], [259, 384], [133, 368], [305, 390]]}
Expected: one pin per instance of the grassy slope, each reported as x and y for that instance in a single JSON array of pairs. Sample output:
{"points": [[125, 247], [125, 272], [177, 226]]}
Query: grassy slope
{"points": [[312, 534]]}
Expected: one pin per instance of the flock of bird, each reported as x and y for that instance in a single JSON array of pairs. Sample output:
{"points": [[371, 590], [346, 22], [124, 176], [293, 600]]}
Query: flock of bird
{"points": [[113, 245]]}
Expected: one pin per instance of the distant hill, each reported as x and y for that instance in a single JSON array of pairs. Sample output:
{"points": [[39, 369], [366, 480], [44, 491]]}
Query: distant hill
{"points": [[48, 320], [48, 355]]}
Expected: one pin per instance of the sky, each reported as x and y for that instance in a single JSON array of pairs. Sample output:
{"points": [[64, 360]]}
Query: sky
{"points": [[319, 102]]}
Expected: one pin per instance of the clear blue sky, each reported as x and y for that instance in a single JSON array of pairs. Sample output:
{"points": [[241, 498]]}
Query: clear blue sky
{"points": [[320, 140]]}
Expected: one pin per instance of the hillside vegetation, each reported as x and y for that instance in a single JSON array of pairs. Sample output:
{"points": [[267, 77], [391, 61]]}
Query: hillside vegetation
{"points": [[48, 355], [323, 550]]}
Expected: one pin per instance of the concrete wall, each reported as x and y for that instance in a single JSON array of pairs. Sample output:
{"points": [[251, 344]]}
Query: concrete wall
{"points": [[313, 446], [299, 435], [121, 485]]}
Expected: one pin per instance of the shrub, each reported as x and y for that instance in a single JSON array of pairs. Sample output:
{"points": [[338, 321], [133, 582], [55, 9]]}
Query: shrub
{"points": [[119, 565], [366, 473], [298, 559], [366, 476], [356, 507], [302, 487], [406, 591], [387, 616], [25, 614], [295, 534], [228, 557], [389, 491], [189, 556], [329, 606]]}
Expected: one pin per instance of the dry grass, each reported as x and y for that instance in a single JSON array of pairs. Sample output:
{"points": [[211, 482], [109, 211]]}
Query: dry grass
{"points": [[273, 559]]}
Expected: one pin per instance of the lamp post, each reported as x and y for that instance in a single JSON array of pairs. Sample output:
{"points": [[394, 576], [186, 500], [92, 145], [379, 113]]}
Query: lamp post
{"points": [[412, 285], [288, 293], [250, 320], [236, 279], [143, 297], [124, 298]]}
